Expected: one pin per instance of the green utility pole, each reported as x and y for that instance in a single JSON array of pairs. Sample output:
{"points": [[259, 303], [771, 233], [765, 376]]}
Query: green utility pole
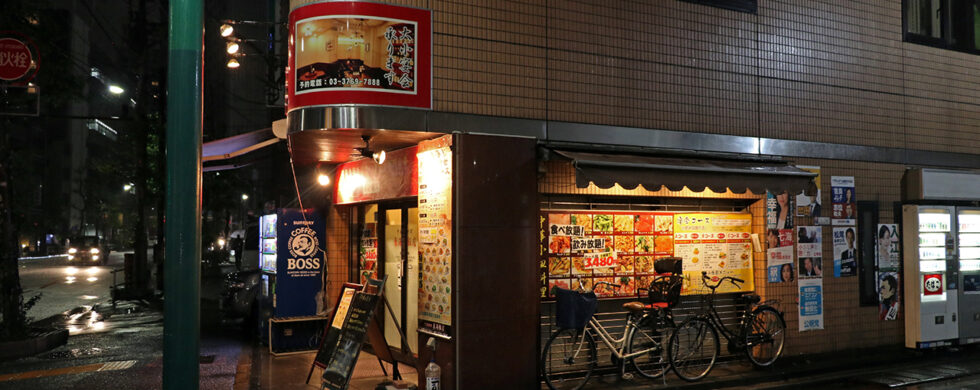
{"points": [[182, 269]]}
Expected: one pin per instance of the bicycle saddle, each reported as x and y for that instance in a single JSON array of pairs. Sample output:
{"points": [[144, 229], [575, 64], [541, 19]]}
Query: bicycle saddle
{"points": [[750, 298], [638, 306]]}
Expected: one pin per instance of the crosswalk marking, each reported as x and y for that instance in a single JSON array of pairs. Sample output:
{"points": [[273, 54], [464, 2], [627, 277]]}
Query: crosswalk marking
{"points": [[120, 365], [109, 366]]}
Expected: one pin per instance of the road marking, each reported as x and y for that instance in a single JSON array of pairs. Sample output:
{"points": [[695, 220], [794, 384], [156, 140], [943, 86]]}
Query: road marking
{"points": [[110, 366], [120, 365]]}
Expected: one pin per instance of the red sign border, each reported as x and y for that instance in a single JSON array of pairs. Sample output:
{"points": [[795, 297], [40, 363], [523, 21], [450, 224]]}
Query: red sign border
{"points": [[31, 48], [422, 99]]}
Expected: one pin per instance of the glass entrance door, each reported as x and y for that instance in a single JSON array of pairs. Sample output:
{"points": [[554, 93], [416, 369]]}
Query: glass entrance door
{"points": [[400, 253]]}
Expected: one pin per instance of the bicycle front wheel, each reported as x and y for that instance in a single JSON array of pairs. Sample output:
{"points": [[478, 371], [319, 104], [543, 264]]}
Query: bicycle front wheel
{"points": [[693, 349], [764, 336], [568, 359], [650, 337]]}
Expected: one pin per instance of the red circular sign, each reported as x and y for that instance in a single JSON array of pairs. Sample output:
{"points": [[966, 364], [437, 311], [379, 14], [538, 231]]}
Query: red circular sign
{"points": [[15, 59]]}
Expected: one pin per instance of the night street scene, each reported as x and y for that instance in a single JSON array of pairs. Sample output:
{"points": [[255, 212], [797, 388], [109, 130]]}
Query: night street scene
{"points": [[480, 194]]}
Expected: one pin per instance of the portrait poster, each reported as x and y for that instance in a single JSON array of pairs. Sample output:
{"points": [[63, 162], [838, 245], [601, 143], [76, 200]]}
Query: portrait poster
{"points": [[845, 251], [811, 304], [887, 247], [809, 206], [779, 256], [889, 295], [843, 200], [779, 211]]}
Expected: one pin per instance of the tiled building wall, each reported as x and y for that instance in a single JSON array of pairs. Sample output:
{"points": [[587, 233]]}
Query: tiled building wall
{"points": [[847, 324], [338, 240]]}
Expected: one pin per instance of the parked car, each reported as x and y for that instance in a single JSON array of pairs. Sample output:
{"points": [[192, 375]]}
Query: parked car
{"points": [[87, 250], [239, 295]]}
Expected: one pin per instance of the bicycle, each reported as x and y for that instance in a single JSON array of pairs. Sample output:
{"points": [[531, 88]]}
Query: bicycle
{"points": [[693, 347], [571, 350]]}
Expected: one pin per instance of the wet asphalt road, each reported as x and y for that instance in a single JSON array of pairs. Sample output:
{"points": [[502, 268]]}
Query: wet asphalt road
{"points": [[64, 284], [109, 348]]}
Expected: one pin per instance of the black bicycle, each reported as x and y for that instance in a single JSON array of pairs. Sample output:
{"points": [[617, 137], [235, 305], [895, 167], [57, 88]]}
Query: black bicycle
{"points": [[693, 348]]}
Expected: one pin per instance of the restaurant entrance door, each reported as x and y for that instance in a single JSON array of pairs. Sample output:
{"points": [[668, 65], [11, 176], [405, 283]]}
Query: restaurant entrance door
{"points": [[400, 259]]}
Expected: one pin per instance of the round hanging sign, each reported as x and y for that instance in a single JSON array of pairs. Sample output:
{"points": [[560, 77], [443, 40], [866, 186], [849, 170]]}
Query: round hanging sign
{"points": [[15, 59]]}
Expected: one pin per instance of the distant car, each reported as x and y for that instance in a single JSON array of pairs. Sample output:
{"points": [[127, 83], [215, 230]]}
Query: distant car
{"points": [[87, 250]]}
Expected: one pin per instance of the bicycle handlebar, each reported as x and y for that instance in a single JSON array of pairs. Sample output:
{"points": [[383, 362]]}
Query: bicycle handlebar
{"points": [[705, 278]]}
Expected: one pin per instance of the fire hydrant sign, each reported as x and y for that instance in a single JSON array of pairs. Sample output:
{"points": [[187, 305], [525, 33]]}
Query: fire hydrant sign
{"points": [[16, 60]]}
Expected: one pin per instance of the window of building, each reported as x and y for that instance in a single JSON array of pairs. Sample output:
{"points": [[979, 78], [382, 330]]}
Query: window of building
{"points": [[950, 24], [749, 6]]}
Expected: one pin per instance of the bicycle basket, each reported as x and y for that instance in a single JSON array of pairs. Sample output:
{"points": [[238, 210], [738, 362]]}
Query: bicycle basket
{"points": [[666, 289], [573, 308]]}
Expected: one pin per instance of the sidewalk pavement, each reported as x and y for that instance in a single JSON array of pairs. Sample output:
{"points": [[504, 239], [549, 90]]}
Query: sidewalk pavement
{"points": [[867, 368]]}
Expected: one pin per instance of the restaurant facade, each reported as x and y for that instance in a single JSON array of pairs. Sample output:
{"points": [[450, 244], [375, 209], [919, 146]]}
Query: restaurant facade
{"points": [[511, 130]]}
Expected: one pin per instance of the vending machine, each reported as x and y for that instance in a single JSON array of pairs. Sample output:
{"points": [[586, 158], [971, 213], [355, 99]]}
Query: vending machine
{"points": [[968, 228], [292, 245], [931, 276]]}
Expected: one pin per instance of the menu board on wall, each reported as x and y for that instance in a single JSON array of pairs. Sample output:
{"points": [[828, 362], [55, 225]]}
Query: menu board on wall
{"points": [[621, 247], [435, 236], [717, 243]]}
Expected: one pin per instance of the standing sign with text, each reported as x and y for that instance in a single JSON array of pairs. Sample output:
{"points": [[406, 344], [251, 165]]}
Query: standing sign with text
{"points": [[435, 236], [299, 267], [359, 52], [843, 200]]}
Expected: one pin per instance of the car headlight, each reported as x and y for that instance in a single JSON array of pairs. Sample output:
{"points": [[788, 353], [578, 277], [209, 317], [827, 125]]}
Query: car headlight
{"points": [[94, 251], [72, 251]]}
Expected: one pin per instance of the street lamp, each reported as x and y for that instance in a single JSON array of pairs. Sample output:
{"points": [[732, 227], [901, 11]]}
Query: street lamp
{"points": [[323, 180], [226, 30], [233, 63], [115, 89], [244, 197], [127, 187]]}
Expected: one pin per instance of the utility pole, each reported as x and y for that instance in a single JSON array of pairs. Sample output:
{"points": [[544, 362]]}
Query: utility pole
{"points": [[181, 321]]}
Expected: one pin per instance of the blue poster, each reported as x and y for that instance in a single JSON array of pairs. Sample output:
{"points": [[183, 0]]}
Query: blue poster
{"points": [[811, 304], [301, 243]]}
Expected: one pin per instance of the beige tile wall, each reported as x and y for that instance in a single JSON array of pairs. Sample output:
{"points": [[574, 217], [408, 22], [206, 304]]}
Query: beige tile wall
{"points": [[821, 71], [847, 325]]}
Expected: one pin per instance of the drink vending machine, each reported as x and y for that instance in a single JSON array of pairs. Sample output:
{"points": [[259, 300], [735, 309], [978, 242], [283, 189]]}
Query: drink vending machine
{"points": [[292, 257], [968, 239], [931, 276]]}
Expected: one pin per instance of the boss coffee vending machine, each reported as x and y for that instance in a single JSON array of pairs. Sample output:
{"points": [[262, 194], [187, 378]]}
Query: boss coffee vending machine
{"points": [[292, 257]]}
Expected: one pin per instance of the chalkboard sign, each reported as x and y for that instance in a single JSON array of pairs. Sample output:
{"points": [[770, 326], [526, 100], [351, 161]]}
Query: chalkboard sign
{"points": [[332, 332], [343, 355]]}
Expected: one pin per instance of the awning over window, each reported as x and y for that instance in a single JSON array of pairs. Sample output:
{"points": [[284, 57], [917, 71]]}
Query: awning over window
{"points": [[629, 171], [237, 145]]}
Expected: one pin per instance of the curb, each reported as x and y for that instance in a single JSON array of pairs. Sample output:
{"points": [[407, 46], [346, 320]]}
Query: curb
{"points": [[40, 340]]}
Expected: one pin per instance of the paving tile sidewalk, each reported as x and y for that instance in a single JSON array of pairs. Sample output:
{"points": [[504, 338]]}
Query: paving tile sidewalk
{"points": [[887, 364]]}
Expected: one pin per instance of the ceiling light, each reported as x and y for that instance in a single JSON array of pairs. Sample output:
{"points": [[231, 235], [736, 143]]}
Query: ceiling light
{"points": [[233, 63], [226, 30], [232, 47]]}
